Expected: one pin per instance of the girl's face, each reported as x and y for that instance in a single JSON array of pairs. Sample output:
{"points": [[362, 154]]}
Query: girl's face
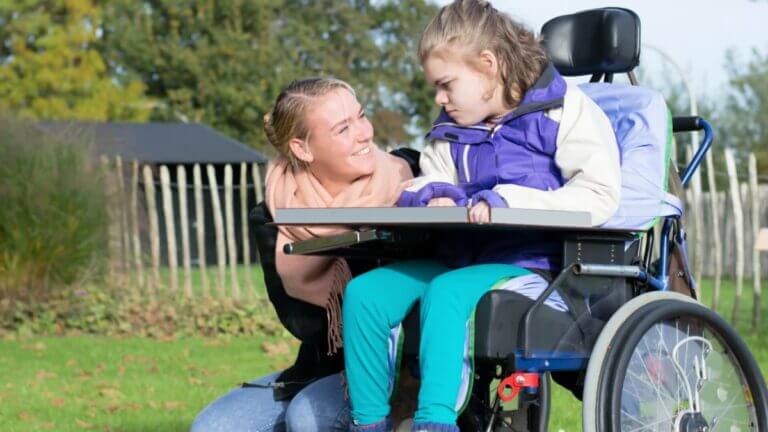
{"points": [[469, 94], [340, 147]]}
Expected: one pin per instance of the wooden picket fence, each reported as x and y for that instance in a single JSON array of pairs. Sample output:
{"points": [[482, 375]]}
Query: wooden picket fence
{"points": [[135, 237], [722, 227]]}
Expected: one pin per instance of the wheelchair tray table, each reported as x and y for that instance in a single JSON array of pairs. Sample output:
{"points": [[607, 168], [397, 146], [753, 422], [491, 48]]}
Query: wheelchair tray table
{"points": [[388, 232]]}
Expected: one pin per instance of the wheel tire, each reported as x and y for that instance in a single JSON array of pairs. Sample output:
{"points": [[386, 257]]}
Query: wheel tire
{"points": [[618, 344]]}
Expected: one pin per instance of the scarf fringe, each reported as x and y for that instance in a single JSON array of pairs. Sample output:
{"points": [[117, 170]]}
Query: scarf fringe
{"points": [[341, 275]]}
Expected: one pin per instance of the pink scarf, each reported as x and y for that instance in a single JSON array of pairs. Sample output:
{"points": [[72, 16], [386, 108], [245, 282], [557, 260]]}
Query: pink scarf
{"points": [[316, 279]]}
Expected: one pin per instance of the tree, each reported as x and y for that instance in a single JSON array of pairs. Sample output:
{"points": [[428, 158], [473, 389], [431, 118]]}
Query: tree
{"points": [[223, 62], [49, 68], [745, 113]]}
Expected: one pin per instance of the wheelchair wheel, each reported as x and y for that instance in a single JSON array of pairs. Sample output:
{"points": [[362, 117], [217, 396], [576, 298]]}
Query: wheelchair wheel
{"points": [[667, 363]]}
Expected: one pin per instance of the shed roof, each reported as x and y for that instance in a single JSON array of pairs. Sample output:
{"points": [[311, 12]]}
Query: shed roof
{"points": [[170, 143]]}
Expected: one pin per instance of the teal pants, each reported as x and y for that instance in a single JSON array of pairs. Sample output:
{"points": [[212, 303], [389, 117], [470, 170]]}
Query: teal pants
{"points": [[377, 302]]}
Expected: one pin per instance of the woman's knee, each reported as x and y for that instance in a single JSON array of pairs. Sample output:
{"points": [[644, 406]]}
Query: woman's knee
{"points": [[250, 409], [319, 407]]}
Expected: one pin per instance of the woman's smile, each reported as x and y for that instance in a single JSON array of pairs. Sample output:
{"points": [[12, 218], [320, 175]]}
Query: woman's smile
{"points": [[362, 152]]}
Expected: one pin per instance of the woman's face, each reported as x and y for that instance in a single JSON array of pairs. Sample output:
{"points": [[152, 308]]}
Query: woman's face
{"points": [[341, 145]]}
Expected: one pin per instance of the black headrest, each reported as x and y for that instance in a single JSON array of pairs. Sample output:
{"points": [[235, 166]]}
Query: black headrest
{"points": [[605, 40]]}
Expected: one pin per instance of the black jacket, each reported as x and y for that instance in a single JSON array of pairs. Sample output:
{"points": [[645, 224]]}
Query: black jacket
{"points": [[305, 321]]}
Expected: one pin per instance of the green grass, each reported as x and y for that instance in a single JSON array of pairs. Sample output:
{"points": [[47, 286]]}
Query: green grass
{"points": [[101, 383]]}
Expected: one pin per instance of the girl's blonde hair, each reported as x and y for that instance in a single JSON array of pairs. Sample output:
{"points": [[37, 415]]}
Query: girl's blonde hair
{"points": [[474, 26], [287, 120]]}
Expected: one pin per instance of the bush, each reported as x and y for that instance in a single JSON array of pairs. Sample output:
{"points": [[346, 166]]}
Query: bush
{"points": [[52, 211], [113, 312]]}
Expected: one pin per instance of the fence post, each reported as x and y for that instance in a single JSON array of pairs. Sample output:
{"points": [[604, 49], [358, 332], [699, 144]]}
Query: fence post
{"points": [[715, 231], [738, 220], [257, 188], [218, 225], [244, 229], [154, 231], [114, 242], [200, 225], [170, 227], [181, 181], [755, 198], [125, 239], [229, 214], [137, 259]]}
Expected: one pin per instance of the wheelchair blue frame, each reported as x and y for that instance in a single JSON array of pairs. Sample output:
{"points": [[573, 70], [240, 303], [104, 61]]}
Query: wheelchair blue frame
{"points": [[530, 361]]}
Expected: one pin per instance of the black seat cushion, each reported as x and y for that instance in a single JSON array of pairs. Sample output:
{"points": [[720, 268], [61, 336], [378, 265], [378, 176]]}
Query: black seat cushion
{"points": [[498, 319], [605, 40], [499, 322]]}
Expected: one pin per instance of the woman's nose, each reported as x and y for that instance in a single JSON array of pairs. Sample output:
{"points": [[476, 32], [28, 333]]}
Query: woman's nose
{"points": [[364, 130]]}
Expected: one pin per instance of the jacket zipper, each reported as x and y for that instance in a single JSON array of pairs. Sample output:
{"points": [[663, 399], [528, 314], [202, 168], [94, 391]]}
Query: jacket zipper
{"points": [[465, 156]]}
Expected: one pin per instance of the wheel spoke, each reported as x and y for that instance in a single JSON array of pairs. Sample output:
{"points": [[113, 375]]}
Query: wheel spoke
{"points": [[651, 401]]}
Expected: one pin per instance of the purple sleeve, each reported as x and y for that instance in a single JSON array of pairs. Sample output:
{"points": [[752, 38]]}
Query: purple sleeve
{"points": [[422, 197], [493, 199]]}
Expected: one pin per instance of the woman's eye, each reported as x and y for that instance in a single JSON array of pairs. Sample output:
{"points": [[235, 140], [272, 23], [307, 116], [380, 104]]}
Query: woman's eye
{"points": [[344, 129], [362, 114]]}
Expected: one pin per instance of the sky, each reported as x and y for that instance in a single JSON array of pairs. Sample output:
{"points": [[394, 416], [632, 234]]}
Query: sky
{"points": [[696, 34]]}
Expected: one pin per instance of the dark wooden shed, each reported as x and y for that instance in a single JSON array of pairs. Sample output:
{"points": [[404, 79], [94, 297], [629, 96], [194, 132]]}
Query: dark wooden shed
{"points": [[174, 145]]}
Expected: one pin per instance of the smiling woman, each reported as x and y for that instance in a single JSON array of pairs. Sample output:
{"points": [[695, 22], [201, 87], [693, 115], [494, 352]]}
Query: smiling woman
{"points": [[328, 158]]}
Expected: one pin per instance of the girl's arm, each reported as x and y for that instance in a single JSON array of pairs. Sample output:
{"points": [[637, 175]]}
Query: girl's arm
{"points": [[438, 178], [588, 158]]}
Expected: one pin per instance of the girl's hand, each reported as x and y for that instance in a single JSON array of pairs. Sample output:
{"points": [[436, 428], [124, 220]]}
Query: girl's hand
{"points": [[480, 213], [441, 202]]}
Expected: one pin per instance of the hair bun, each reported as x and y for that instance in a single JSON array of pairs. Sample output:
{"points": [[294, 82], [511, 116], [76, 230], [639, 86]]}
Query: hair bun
{"points": [[269, 129]]}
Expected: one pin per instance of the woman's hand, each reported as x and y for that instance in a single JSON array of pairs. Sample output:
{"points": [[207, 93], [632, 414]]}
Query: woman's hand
{"points": [[441, 202], [480, 213]]}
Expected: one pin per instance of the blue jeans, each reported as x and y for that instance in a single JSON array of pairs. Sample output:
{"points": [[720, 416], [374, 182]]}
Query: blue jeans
{"points": [[318, 407]]}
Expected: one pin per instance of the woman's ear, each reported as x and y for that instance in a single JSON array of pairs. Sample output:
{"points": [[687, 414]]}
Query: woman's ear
{"points": [[300, 149]]}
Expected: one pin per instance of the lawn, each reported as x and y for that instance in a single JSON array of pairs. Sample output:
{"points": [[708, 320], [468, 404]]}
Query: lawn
{"points": [[131, 384]]}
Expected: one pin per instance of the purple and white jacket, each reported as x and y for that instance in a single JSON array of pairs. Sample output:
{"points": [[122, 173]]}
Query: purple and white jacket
{"points": [[556, 150]]}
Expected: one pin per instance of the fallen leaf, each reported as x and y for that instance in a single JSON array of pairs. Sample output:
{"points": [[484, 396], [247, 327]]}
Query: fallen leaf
{"points": [[111, 393], [24, 416], [83, 424], [41, 375], [192, 381], [71, 362], [172, 405], [58, 402]]}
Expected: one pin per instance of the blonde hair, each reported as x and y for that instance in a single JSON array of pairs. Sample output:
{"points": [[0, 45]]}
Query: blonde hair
{"points": [[287, 119], [474, 26]]}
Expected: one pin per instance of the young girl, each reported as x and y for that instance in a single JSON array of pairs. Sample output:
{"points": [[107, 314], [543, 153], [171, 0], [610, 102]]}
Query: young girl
{"points": [[512, 133]]}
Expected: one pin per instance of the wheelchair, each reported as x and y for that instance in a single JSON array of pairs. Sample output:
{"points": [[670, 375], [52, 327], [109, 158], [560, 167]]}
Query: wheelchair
{"points": [[639, 355]]}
